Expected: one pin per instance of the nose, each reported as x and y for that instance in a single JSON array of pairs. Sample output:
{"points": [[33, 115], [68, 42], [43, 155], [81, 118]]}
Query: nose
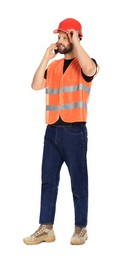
{"points": [[59, 41]]}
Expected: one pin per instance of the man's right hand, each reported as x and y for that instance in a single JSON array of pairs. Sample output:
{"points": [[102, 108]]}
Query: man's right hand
{"points": [[50, 54]]}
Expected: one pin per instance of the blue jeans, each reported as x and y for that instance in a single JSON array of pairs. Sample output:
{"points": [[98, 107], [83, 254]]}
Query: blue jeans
{"points": [[64, 144]]}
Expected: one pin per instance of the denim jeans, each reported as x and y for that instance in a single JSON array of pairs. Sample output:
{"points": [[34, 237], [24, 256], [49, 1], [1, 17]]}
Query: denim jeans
{"points": [[64, 144]]}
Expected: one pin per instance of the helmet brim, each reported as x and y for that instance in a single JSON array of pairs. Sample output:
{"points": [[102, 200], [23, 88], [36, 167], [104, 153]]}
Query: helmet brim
{"points": [[57, 31]]}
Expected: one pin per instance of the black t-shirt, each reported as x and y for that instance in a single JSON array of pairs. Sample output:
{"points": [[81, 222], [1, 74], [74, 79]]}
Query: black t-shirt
{"points": [[66, 64], [87, 78]]}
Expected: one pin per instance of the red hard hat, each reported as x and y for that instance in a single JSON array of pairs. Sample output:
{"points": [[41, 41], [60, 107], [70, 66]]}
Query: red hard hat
{"points": [[69, 23]]}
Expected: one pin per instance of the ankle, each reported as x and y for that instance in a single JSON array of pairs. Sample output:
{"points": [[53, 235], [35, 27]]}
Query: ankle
{"points": [[48, 226]]}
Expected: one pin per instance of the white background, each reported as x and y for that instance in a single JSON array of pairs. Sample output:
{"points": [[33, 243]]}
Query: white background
{"points": [[26, 30]]}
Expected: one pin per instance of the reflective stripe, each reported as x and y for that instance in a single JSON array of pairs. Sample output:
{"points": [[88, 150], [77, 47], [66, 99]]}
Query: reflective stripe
{"points": [[80, 30], [67, 106], [68, 89], [75, 88], [52, 91], [74, 105], [52, 108]]}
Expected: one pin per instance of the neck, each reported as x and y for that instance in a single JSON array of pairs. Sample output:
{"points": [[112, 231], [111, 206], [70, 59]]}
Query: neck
{"points": [[70, 55]]}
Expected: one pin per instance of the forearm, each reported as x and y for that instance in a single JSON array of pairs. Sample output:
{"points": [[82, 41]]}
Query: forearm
{"points": [[38, 79], [86, 63]]}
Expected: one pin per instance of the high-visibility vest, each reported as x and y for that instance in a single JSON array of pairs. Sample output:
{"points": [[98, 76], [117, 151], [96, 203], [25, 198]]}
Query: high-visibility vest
{"points": [[66, 93]]}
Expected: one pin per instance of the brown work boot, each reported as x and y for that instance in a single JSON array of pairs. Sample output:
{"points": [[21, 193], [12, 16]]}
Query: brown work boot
{"points": [[44, 233], [80, 236]]}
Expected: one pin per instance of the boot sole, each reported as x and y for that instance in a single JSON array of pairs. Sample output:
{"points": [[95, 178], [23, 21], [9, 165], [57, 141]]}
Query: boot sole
{"points": [[77, 243], [48, 240]]}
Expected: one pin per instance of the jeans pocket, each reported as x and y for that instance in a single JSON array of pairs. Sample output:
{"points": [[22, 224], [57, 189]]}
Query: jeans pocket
{"points": [[75, 130]]}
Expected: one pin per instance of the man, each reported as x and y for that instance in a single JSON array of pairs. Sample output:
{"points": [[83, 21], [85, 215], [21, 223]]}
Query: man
{"points": [[67, 82]]}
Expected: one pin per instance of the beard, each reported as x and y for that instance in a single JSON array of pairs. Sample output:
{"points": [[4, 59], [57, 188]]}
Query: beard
{"points": [[65, 50]]}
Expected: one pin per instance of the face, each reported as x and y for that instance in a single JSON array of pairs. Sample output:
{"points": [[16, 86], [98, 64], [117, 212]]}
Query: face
{"points": [[64, 45]]}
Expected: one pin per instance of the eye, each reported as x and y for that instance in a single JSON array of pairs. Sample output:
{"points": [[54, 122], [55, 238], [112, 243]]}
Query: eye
{"points": [[65, 38]]}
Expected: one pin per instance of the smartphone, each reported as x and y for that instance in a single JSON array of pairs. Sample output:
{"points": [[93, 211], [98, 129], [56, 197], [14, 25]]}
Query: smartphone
{"points": [[55, 51]]}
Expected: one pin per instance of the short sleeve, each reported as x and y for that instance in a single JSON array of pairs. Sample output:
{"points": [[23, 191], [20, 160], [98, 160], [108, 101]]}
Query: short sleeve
{"points": [[87, 78]]}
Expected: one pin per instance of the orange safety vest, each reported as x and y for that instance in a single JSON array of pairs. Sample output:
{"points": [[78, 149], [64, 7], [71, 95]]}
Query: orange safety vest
{"points": [[66, 93]]}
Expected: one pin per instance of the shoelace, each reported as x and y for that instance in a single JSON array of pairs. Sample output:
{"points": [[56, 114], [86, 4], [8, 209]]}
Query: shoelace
{"points": [[81, 234], [39, 231]]}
